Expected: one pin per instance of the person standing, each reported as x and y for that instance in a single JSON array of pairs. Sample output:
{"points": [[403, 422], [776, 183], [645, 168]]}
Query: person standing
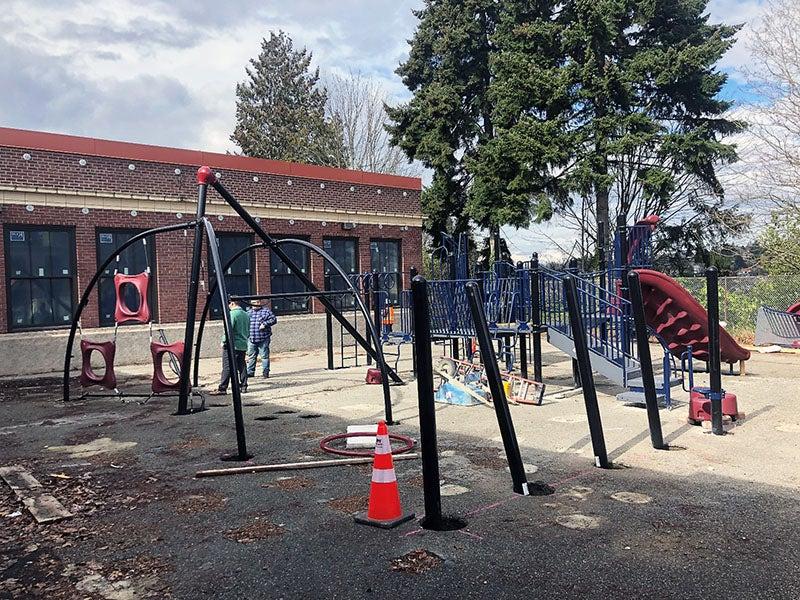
{"points": [[240, 323], [261, 321]]}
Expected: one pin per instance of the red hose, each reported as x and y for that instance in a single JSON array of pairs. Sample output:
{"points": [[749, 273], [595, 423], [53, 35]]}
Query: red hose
{"points": [[323, 444]]}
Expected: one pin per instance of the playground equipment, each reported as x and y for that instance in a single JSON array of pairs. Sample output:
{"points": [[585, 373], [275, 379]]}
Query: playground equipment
{"points": [[778, 327], [203, 228], [127, 288]]}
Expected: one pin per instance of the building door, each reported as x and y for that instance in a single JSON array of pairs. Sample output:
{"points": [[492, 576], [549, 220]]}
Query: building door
{"points": [[133, 260], [385, 259], [345, 252], [40, 276], [239, 275]]}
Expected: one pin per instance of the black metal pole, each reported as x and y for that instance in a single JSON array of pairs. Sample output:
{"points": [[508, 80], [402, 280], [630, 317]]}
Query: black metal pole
{"points": [[427, 409], [498, 393], [204, 178], [376, 306], [536, 318], [715, 374], [413, 273], [230, 350], [367, 287], [648, 379], [523, 352], [329, 338], [585, 369]]}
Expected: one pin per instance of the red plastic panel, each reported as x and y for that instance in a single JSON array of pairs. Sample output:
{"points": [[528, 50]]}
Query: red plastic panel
{"points": [[794, 308], [88, 377], [160, 382], [122, 314], [681, 320]]}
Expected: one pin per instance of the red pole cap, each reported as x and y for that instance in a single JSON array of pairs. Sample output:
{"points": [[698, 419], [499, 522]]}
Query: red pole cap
{"points": [[205, 175]]}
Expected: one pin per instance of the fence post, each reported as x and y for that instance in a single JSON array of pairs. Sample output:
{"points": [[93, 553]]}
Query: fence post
{"points": [[715, 375], [648, 380], [427, 409], [536, 318], [585, 369], [498, 394], [366, 281], [329, 338]]}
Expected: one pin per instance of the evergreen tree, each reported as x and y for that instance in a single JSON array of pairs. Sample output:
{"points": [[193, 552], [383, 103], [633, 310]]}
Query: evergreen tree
{"points": [[520, 106], [450, 114], [280, 108]]}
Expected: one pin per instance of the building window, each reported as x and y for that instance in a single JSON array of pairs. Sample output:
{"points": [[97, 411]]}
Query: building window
{"points": [[385, 259], [40, 276], [135, 259], [345, 252], [283, 281], [239, 275]]}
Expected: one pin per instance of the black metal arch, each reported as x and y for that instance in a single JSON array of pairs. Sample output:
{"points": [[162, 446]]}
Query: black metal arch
{"points": [[93, 282]]}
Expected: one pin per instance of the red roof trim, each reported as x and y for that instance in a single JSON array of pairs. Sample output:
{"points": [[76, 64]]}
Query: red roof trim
{"points": [[56, 142]]}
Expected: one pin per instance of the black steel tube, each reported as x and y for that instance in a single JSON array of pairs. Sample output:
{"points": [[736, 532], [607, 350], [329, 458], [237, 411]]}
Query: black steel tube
{"points": [[427, 409], [366, 283], [184, 386], [236, 391], [536, 318], [376, 306], [648, 379], [585, 370], [207, 304], [329, 338], [281, 295], [714, 371], [86, 296], [377, 352], [496, 386], [523, 353]]}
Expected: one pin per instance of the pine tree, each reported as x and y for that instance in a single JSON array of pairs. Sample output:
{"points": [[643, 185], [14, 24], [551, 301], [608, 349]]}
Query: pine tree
{"points": [[521, 106], [280, 108]]}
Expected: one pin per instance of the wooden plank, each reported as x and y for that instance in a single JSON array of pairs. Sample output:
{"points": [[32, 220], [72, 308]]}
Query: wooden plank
{"points": [[44, 507], [314, 464]]}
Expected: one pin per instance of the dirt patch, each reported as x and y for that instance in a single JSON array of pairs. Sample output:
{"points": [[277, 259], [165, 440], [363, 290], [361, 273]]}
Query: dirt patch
{"points": [[417, 561], [309, 435], [261, 529], [349, 504], [191, 444], [487, 456], [290, 483], [104, 445], [203, 501]]}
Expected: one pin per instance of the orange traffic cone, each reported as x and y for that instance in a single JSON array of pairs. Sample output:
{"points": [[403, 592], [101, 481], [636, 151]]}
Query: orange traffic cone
{"points": [[384, 496]]}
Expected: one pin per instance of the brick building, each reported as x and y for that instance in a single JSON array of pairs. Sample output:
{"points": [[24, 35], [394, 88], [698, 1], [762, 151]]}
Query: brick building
{"points": [[66, 202]]}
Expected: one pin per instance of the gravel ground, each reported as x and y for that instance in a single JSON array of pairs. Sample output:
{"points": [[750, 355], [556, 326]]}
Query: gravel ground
{"points": [[714, 518]]}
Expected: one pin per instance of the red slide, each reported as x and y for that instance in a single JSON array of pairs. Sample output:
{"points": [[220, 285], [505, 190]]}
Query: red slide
{"points": [[681, 320], [794, 308]]}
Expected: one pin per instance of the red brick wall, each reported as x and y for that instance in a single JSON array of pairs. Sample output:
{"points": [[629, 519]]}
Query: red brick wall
{"points": [[61, 171], [172, 250]]}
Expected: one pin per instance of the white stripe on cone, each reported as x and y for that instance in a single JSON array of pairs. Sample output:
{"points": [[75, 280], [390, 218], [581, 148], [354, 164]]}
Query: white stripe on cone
{"points": [[383, 476], [382, 445]]}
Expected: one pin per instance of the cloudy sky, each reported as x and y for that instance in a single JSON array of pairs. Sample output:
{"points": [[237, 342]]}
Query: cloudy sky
{"points": [[163, 71]]}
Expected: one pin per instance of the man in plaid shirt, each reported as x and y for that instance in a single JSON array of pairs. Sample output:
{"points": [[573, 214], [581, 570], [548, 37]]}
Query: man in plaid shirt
{"points": [[261, 321]]}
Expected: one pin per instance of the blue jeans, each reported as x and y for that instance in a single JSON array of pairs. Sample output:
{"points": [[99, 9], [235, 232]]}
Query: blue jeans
{"points": [[254, 349]]}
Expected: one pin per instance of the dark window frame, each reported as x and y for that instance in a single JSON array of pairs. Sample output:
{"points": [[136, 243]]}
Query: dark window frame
{"points": [[341, 302], [73, 278], [309, 268], [212, 276], [399, 283], [153, 260]]}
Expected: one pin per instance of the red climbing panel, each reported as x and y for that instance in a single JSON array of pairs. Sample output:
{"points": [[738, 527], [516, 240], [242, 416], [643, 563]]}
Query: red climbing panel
{"points": [[88, 377], [123, 314], [681, 320], [160, 382]]}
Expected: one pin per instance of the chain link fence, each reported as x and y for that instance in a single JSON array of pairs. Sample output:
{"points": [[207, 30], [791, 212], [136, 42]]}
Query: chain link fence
{"points": [[740, 297]]}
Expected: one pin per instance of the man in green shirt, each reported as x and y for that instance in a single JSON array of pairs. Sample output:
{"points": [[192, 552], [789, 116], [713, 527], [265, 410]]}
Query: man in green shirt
{"points": [[240, 322]]}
